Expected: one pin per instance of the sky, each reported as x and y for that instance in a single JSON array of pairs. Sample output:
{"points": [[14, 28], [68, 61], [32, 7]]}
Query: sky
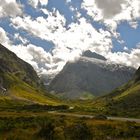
{"points": [[49, 33]]}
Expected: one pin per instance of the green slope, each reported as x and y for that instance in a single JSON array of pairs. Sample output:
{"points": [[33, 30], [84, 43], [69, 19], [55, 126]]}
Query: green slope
{"points": [[21, 82], [20, 92], [124, 101]]}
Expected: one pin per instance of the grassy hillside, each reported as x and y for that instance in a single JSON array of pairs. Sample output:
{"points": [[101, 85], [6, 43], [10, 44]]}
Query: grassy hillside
{"points": [[21, 82], [124, 101], [20, 92], [127, 102]]}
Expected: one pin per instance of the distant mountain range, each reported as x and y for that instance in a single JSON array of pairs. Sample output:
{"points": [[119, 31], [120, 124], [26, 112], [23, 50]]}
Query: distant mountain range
{"points": [[92, 75]]}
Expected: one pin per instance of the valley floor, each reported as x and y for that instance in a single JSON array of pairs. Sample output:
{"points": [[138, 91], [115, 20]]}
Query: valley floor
{"points": [[44, 125]]}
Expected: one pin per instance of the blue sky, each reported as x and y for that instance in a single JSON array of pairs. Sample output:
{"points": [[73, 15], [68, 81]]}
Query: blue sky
{"points": [[46, 29], [129, 34]]}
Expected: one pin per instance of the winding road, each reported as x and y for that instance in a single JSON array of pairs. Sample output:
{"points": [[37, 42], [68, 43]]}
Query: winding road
{"points": [[91, 117]]}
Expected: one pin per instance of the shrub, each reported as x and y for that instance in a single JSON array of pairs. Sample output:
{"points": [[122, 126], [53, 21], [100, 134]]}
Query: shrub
{"points": [[78, 132], [47, 131]]}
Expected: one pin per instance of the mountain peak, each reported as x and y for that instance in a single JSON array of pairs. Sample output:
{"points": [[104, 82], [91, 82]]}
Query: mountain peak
{"points": [[89, 78], [90, 54]]}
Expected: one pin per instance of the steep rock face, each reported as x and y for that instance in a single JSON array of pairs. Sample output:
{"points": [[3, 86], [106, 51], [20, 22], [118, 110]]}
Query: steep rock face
{"points": [[10, 63], [137, 75], [92, 75]]}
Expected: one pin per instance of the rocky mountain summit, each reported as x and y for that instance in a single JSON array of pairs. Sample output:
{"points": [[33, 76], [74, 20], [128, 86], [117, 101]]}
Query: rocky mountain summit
{"points": [[91, 75]]}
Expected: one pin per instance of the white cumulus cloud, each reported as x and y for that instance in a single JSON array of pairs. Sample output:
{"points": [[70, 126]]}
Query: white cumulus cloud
{"points": [[112, 12], [69, 43], [35, 3], [3, 37], [10, 8]]}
